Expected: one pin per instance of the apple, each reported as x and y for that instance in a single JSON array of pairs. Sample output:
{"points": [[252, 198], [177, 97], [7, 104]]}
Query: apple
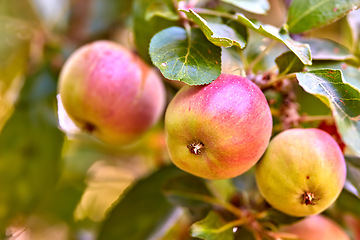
{"points": [[316, 227], [302, 172], [110, 92], [219, 130]]}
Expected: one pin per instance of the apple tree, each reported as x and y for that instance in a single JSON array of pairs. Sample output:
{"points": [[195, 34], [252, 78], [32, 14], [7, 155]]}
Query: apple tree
{"points": [[179, 119]]}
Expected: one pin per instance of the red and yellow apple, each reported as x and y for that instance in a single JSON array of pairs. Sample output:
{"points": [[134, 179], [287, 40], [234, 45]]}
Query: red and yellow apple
{"points": [[302, 172], [110, 92], [219, 130]]}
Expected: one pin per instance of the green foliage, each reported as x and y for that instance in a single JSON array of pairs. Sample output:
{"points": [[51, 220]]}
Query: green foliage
{"points": [[212, 228], [14, 49], [348, 202], [325, 49], [186, 190], [342, 98], [147, 21], [301, 50], [185, 56], [288, 63], [142, 209], [30, 146], [307, 14], [219, 34], [308, 79], [161, 9]]}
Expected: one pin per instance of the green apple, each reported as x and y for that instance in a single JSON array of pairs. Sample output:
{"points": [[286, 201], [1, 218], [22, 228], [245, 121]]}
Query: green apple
{"points": [[219, 130], [110, 92], [316, 227], [302, 172]]}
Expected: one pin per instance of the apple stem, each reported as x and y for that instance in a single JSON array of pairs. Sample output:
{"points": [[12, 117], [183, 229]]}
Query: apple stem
{"points": [[195, 148]]}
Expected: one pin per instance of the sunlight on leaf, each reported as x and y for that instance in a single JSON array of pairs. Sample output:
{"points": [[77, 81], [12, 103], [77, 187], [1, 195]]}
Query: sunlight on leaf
{"points": [[301, 50], [219, 34], [161, 9]]}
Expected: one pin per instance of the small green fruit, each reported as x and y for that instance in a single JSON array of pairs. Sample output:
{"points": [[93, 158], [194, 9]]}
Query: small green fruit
{"points": [[110, 92], [316, 227], [219, 130], [302, 172]]}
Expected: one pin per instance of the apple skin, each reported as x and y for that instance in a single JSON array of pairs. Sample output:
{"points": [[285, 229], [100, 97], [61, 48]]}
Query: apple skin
{"points": [[110, 92], [228, 120], [316, 227], [302, 172]]}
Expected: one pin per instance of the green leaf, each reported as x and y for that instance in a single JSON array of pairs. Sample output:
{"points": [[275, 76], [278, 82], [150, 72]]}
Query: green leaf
{"points": [[186, 190], [210, 228], [347, 202], [144, 28], [325, 49], [191, 59], [103, 14], [341, 97], [219, 34], [253, 6], [142, 210], [15, 9], [30, 149], [304, 15], [309, 104], [301, 50], [14, 50], [351, 74], [14, 53], [161, 9], [353, 173], [289, 63]]}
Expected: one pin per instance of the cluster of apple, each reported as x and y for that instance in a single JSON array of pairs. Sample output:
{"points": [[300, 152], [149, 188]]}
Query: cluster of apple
{"points": [[213, 131]]}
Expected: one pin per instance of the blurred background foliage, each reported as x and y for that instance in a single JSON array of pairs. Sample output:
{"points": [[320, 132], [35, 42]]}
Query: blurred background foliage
{"points": [[59, 187]]}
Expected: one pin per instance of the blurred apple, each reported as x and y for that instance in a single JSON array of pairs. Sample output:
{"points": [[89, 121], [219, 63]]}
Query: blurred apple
{"points": [[110, 92], [316, 227]]}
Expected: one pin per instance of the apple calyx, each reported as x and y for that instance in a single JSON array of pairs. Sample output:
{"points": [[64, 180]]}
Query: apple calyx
{"points": [[309, 198], [196, 148]]}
